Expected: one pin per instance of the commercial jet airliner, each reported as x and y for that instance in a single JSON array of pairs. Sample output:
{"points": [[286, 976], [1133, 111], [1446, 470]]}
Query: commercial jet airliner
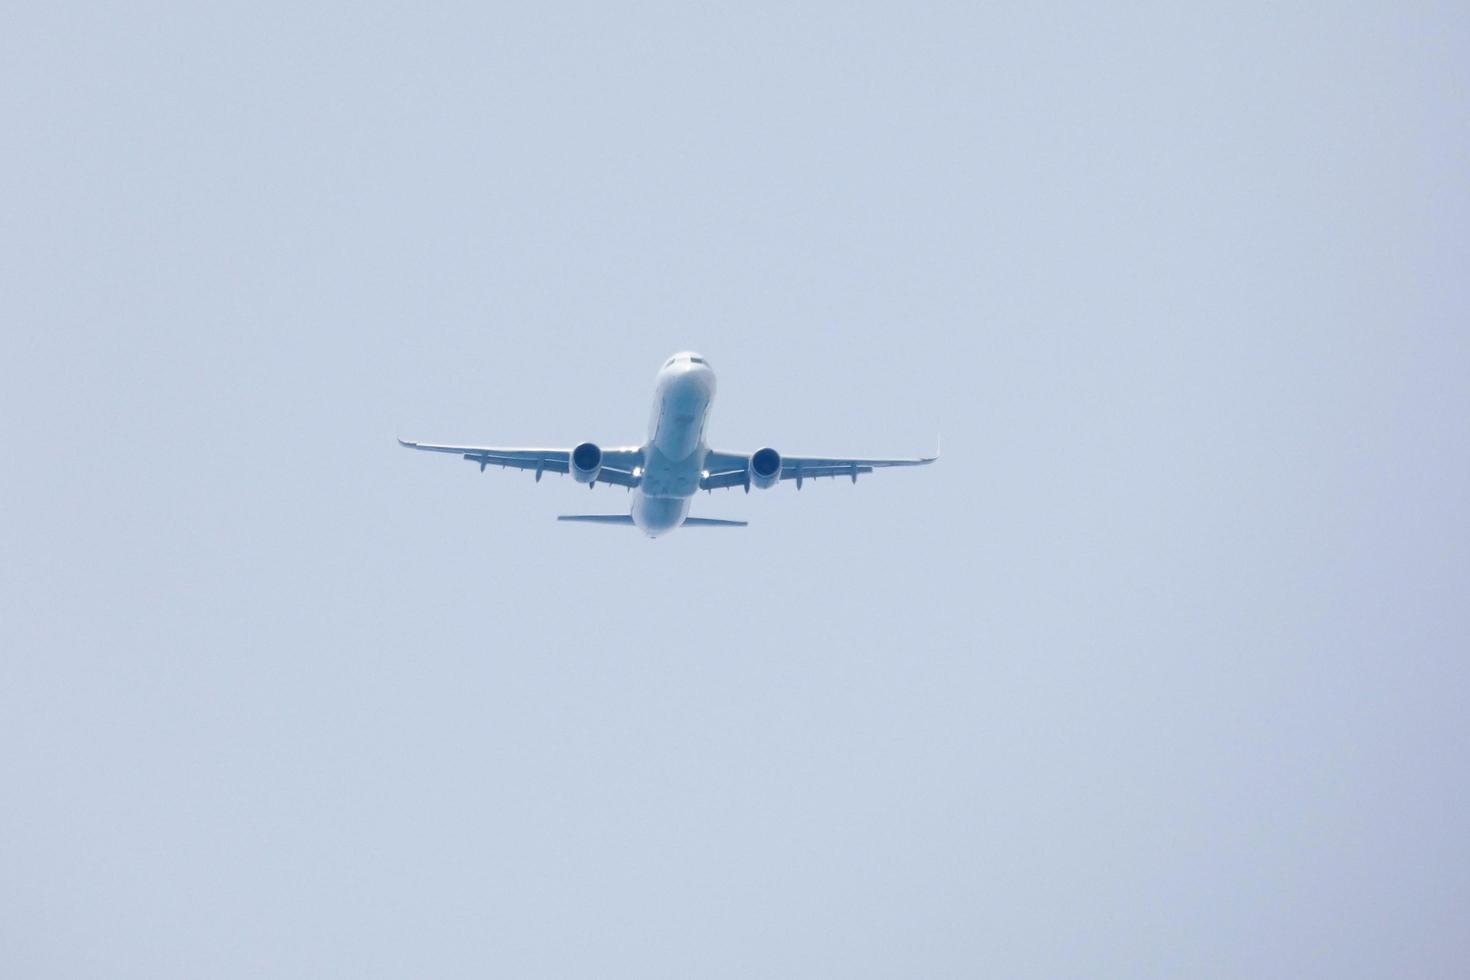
{"points": [[664, 473]]}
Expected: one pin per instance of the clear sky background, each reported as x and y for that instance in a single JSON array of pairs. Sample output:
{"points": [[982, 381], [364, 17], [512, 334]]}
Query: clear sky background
{"points": [[1161, 671]]}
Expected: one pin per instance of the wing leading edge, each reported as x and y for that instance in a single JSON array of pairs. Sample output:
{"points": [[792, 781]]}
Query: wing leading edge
{"points": [[617, 464]]}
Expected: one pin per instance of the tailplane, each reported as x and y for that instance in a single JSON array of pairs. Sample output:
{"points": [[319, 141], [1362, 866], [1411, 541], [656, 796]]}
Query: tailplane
{"points": [[628, 519]]}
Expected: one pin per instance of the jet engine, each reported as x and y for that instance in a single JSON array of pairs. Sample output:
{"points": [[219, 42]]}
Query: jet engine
{"points": [[764, 468], [586, 463]]}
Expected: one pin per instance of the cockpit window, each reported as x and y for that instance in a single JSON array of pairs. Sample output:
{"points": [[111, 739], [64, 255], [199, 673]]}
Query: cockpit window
{"points": [[700, 360]]}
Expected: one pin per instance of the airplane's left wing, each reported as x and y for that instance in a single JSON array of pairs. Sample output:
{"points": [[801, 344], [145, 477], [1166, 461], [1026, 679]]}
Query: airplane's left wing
{"points": [[731, 469], [617, 464]]}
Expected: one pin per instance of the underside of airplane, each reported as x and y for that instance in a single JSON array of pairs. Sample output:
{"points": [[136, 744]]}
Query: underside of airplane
{"points": [[674, 463]]}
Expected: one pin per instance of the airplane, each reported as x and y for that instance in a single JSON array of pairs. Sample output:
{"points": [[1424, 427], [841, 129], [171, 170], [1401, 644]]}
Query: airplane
{"points": [[665, 472]]}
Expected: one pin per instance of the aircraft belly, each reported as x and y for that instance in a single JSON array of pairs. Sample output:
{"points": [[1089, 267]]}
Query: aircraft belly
{"points": [[682, 405], [678, 434], [675, 452], [665, 477]]}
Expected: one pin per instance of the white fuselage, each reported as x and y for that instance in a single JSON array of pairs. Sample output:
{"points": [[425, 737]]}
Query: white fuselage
{"points": [[673, 457]]}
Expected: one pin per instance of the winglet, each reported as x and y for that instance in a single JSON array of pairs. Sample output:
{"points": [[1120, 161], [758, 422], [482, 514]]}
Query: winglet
{"points": [[406, 444], [930, 459]]}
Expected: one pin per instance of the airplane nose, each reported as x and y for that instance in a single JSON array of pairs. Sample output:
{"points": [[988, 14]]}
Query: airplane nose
{"points": [[689, 372], [701, 376]]}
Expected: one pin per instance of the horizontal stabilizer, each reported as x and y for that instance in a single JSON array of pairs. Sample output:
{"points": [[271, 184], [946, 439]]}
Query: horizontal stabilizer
{"points": [[598, 518], [712, 522]]}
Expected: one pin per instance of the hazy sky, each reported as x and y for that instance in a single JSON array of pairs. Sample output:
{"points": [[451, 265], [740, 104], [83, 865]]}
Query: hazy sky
{"points": [[1161, 671]]}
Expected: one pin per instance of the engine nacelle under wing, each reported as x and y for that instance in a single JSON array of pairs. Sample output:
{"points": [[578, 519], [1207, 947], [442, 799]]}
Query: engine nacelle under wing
{"points": [[586, 463], [763, 470]]}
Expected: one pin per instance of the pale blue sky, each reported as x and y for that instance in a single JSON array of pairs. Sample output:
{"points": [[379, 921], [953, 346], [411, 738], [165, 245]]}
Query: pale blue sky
{"points": [[1160, 672]]}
